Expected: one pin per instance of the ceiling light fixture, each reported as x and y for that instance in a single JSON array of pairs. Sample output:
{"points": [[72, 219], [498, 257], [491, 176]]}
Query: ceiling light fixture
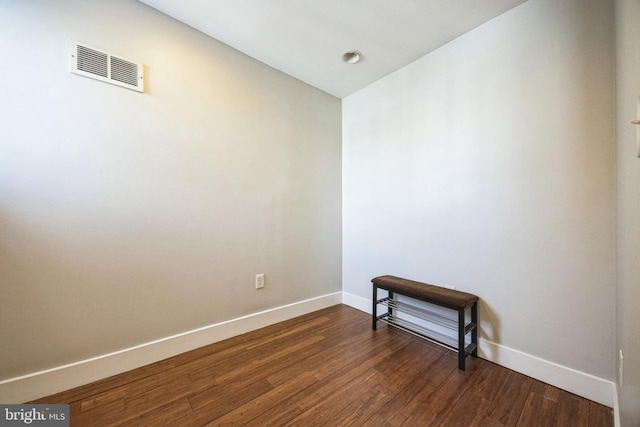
{"points": [[351, 57]]}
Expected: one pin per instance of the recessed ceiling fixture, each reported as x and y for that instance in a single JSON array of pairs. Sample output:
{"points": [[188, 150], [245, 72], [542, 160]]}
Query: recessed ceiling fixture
{"points": [[351, 57]]}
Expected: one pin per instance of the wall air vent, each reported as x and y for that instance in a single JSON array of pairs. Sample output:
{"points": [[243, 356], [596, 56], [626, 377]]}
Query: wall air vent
{"points": [[100, 65]]}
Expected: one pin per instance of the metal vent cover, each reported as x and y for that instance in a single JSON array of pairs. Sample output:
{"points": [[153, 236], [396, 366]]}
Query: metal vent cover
{"points": [[104, 66]]}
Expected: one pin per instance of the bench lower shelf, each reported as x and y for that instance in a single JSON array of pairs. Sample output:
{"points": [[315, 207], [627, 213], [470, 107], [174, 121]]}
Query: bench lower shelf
{"points": [[432, 335], [441, 319]]}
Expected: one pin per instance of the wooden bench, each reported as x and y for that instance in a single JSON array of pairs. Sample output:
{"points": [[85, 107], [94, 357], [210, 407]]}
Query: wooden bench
{"points": [[443, 297]]}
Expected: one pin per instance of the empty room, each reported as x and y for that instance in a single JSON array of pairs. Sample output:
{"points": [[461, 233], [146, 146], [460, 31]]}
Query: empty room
{"points": [[195, 197]]}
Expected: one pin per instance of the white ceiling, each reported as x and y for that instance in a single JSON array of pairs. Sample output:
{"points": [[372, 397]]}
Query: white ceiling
{"points": [[307, 38]]}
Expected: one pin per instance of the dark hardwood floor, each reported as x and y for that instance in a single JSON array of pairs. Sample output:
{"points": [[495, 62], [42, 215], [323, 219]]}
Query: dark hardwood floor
{"points": [[326, 368]]}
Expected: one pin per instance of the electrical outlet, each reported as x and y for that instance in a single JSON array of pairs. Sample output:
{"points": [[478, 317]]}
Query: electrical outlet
{"points": [[620, 367], [259, 281]]}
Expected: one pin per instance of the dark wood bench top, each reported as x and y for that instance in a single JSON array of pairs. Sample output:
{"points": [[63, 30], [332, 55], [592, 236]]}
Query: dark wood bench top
{"points": [[425, 292]]}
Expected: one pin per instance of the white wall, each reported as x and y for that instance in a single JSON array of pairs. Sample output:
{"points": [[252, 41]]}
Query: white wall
{"points": [[628, 207], [128, 217], [489, 165]]}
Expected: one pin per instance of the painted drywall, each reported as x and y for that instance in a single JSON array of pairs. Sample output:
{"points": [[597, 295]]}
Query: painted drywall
{"points": [[489, 165], [628, 207], [128, 217]]}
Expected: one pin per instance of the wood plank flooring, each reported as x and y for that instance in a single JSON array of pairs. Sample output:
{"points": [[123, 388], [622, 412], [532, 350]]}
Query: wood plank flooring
{"points": [[327, 368]]}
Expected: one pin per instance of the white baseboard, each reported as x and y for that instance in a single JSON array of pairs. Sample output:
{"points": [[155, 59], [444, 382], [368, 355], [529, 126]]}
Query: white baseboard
{"points": [[51, 381], [577, 382], [357, 302], [616, 408]]}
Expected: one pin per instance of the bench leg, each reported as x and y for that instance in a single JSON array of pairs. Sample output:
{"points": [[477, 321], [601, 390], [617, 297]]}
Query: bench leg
{"points": [[474, 333], [374, 310], [461, 347]]}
